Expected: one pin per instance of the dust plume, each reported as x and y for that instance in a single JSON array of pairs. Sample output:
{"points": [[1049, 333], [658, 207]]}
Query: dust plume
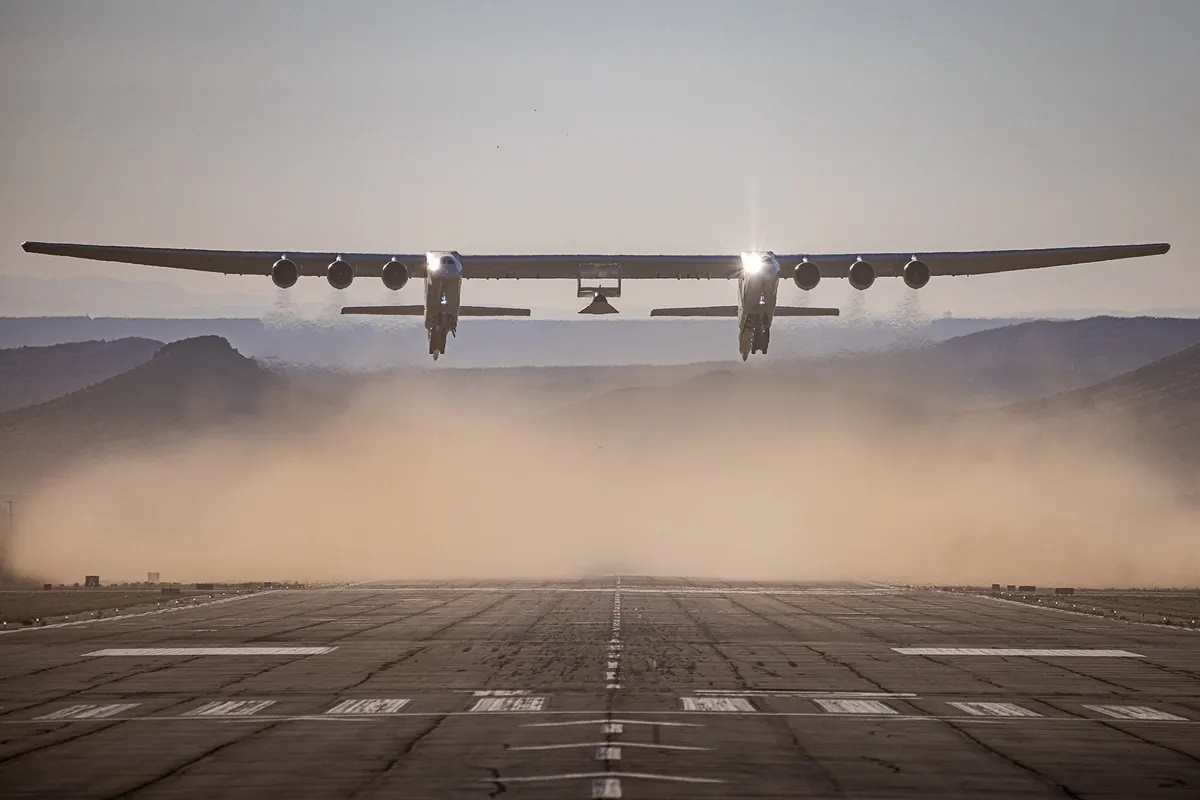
{"points": [[732, 474]]}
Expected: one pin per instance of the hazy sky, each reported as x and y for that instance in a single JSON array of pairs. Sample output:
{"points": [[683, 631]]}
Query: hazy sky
{"points": [[611, 127]]}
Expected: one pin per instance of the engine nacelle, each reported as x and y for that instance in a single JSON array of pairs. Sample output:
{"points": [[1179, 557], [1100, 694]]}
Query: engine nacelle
{"points": [[916, 274], [285, 273], [861, 275], [807, 276], [395, 275], [340, 274]]}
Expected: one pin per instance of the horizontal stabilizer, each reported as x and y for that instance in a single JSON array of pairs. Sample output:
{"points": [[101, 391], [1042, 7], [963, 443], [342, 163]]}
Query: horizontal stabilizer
{"points": [[699, 311], [791, 311], [491, 311], [398, 311]]}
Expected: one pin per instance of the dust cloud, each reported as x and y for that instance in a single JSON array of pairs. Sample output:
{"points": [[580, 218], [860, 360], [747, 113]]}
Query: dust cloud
{"points": [[728, 476]]}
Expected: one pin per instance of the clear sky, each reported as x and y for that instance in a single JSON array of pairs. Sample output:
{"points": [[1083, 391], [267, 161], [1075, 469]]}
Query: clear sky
{"points": [[685, 126]]}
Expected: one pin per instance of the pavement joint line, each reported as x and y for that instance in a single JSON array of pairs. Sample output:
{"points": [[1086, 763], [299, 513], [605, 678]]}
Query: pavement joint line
{"points": [[607, 721], [119, 617]]}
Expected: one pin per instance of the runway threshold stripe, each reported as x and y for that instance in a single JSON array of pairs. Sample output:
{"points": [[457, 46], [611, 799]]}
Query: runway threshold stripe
{"points": [[730, 704], [212, 651], [229, 708], [89, 711], [486, 704], [375, 706], [855, 707], [995, 710], [1015, 651], [1135, 712]]}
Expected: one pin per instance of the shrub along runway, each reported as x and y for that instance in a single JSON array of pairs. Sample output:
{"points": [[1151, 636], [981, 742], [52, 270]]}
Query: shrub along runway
{"points": [[605, 687]]}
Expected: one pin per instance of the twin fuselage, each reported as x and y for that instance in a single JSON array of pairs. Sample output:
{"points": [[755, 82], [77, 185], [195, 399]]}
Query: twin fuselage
{"points": [[758, 288]]}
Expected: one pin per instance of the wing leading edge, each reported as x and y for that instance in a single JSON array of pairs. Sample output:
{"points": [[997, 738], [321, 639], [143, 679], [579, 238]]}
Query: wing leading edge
{"points": [[259, 262]]}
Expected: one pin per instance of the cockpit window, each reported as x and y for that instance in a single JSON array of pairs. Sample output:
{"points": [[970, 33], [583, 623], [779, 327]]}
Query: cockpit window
{"points": [[447, 261]]}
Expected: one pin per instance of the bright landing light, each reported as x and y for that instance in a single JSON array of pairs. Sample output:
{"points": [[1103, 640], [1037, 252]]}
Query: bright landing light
{"points": [[752, 263]]}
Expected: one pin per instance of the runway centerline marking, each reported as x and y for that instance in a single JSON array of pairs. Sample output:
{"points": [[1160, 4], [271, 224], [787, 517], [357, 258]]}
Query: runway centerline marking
{"points": [[727, 704], [212, 651], [1135, 712], [995, 710], [89, 711], [1015, 651], [854, 706], [492, 704]]}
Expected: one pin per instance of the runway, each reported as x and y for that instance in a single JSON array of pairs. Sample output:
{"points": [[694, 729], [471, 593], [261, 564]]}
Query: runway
{"points": [[602, 688]]}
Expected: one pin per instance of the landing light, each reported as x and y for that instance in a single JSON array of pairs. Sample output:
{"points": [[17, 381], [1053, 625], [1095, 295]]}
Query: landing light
{"points": [[752, 263]]}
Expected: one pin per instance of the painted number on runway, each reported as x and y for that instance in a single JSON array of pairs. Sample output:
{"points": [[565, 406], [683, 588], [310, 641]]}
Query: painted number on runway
{"points": [[995, 710], [736, 704], [510, 704], [379, 706], [1135, 712], [855, 707], [230, 708], [90, 711]]}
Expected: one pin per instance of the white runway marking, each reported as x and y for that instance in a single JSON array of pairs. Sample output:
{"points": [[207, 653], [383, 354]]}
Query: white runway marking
{"points": [[1014, 651], [574, 776], [855, 707], [1136, 712], [799, 693], [717, 704], [90, 711], [643, 745], [229, 708], [501, 693], [995, 710], [613, 729], [608, 752], [380, 706], [213, 651], [510, 704], [605, 788], [605, 721]]}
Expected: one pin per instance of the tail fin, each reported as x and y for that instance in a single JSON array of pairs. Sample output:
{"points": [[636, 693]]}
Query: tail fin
{"points": [[419, 311], [792, 311], [399, 311]]}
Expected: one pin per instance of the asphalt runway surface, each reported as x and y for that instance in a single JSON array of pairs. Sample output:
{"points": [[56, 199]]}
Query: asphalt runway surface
{"points": [[630, 687]]}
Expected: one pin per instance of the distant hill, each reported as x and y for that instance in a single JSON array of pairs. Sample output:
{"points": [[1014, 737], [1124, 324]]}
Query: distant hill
{"points": [[185, 387], [1023, 361], [30, 375], [1161, 401]]}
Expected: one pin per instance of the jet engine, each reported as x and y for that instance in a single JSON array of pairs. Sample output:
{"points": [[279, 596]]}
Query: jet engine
{"points": [[285, 273], [807, 276], [395, 275], [340, 274], [916, 274], [861, 275]]}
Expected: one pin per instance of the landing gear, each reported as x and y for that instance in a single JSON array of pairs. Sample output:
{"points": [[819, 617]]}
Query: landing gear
{"points": [[754, 339], [437, 342]]}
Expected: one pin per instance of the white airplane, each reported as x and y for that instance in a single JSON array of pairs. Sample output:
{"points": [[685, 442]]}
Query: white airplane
{"points": [[758, 275]]}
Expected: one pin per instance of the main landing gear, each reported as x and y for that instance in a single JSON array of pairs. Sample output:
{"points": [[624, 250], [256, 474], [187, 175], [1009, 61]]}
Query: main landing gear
{"points": [[754, 339]]}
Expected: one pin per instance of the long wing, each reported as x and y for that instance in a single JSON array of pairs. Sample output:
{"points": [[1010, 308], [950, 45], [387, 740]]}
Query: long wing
{"points": [[970, 262], [258, 262], [230, 262]]}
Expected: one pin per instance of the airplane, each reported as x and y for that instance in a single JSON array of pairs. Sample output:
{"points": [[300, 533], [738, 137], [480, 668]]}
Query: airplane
{"points": [[758, 274]]}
